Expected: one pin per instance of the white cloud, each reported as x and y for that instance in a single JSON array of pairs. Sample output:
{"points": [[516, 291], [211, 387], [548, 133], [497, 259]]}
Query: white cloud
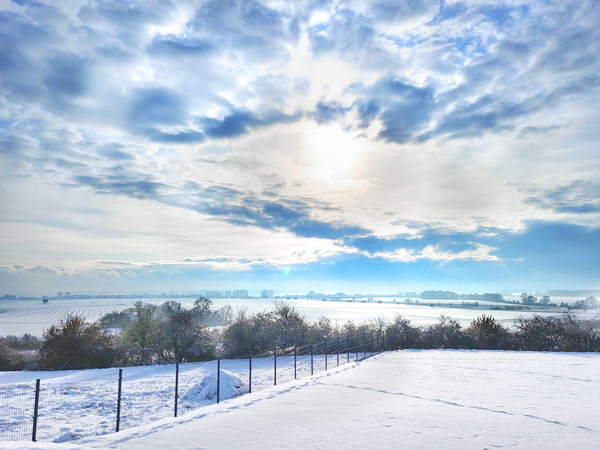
{"points": [[435, 253]]}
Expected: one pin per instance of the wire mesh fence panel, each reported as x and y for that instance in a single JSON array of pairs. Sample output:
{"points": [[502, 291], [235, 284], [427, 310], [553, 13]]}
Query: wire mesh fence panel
{"points": [[285, 365], [70, 411], [191, 376], [262, 373], [146, 399], [84, 407], [234, 378], [16, 411], [304, 361]]}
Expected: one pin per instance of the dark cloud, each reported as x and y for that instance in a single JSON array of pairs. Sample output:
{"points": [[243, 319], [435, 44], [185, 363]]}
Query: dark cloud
{"points": [[329, 111], [224, 203], [129, 186], [525, 131], [578, 197], [407, 110], [493, 113], [247, 210], [487, 114], [13, 145], [174, 46], [22, 73], [156, 106], [351, 36], [571, 51], [115, 151], [67, 75], [127, 14], [240, 122], [152, 109], [399, 12], [180, 137], [296, 219], [367, 112], [245, 28]]}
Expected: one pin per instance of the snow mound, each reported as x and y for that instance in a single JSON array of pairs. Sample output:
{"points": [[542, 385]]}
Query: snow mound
{"points": [[231, 386], [66, 437]]}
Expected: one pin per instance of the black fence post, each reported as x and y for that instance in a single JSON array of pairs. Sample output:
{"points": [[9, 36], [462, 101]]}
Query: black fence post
{"points": [[218, 379], [295, 360], [372, 348], [337, 349], [311, 360], [119, 400], [356, 342], [326, 356], [176, 385], [35, 410], [275, 366], [250, 373]]}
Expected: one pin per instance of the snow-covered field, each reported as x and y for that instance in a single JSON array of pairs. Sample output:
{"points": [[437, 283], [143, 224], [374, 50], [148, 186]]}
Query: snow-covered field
{"points": [[31, 316], [430, 399]]}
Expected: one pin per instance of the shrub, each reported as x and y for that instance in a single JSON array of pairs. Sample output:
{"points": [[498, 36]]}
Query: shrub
{"points": [[248, 334], [447, 333], [318, 331], [116, 319], [143, 333], [288, 326], [579, 336], [538, 333], [489, 334], [74, 344], [403, 334], [180, 338]]}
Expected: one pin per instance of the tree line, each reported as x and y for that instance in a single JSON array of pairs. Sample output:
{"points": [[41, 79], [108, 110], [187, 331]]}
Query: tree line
{"points": [[154, 334]]}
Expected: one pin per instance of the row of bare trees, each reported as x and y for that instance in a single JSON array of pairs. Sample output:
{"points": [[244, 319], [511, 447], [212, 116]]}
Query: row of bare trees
{"points": [[149, 334]]}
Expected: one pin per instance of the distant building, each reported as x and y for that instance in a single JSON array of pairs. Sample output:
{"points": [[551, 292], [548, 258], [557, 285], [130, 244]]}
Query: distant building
{"points": [[266, 293], [240, 293]]}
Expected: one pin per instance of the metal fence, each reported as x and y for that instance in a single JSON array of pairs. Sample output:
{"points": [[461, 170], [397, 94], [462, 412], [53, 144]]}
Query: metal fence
{"points": [[115, 399]]}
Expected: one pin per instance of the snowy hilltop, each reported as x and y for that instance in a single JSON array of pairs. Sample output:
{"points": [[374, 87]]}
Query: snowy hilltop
{"points": [[410, 399]]}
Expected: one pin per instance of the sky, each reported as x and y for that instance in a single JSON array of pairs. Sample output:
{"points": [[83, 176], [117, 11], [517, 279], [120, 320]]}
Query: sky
{"points": [[332, 146]]}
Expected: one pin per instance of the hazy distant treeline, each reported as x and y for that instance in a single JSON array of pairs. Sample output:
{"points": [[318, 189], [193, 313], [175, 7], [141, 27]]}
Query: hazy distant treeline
{"points": [[154, 334]]}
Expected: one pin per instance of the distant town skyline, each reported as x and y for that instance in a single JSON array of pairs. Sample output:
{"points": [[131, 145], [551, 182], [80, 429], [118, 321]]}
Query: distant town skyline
{"points": [[293, 146]]}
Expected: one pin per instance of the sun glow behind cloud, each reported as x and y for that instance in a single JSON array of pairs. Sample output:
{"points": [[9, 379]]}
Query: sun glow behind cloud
{"points": [[335, 151]]}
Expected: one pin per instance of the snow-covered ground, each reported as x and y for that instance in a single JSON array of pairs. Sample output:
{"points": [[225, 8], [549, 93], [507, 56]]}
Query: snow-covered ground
{"points": [[84, 402], [31, 316], [429, 399]]}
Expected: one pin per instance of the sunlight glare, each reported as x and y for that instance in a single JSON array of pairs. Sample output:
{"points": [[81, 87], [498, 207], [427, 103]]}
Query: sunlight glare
{"points": [[335, 151]]}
